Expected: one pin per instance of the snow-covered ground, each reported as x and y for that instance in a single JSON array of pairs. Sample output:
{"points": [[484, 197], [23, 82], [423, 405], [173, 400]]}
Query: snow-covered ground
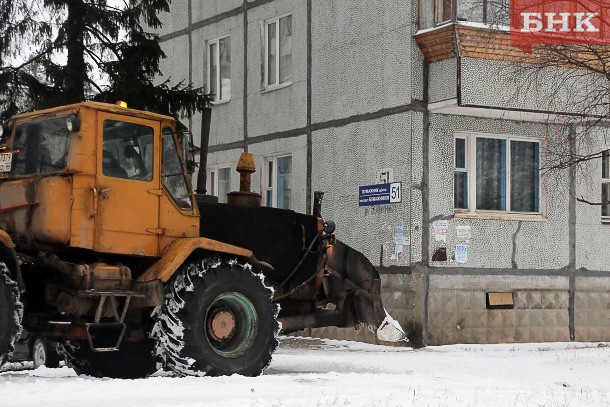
{"points": [[311, 372]]}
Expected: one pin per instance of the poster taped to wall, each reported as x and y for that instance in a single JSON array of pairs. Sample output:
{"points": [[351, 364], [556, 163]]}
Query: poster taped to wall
{"points": [[461, 253], [463, 232], [440, 227]]}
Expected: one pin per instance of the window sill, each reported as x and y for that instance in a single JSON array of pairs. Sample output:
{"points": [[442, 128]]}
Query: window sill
{"points": [[501, 216], [221, 102], [605, 221], [276, 87]]}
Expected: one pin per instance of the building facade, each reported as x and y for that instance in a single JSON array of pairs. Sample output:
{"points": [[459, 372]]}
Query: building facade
{"points": [[484, 245]]}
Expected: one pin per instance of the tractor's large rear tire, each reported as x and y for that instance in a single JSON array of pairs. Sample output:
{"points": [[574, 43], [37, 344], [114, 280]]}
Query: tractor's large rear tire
{"points": [[132, 361], [11, 314], [218, 319]]}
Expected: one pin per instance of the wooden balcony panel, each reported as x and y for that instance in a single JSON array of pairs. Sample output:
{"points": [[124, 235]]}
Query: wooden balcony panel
{"points": [[486, 43]]}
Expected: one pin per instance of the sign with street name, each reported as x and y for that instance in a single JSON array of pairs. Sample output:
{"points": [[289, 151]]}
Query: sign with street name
{"points": [[380, 194]]}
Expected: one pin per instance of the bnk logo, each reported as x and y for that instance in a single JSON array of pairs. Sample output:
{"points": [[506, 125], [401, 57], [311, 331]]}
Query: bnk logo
{"points": [[559, 22]]}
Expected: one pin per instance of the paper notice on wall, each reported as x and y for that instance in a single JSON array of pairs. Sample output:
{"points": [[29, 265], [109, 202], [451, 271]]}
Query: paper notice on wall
{"points": [[461, 253], [399, 242], [440, 227], [399, 235], [463, 232]]}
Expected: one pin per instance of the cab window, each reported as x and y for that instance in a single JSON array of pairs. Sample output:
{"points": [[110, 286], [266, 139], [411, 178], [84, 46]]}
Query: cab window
{"points": [[127, 150], [174, 180], [40, 147]]}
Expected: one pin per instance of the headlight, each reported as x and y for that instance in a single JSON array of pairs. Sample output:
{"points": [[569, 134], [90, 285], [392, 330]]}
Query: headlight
{"points": [[73, 123]]}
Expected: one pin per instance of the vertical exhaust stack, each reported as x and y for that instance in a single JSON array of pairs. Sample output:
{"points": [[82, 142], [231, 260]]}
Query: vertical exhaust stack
{"points": [[244, 196], [201, 191]]}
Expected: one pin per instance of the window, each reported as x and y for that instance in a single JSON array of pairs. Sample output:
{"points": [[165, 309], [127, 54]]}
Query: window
{"points": [[278, 51], [41, 147], [278, 181], [174, 180], [443, 10], [219, 68], [460, 175], [219, 182], [127, 150], [496, 173], [606, 185]]}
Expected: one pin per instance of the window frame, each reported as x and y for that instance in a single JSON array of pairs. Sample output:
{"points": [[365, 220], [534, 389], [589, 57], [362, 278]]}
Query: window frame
{"points": [[213, 189], [444, 11], [471, 171], [276, 85], [265, 187], [151, 175], [208, 44], [167, 131]]}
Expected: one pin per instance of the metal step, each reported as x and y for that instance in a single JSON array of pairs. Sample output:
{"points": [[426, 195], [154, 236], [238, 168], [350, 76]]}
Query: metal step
{"points": [[118, 315]]}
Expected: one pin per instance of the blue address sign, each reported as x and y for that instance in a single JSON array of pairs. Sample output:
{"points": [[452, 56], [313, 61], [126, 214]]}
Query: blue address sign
{"points": [[380, 194]]}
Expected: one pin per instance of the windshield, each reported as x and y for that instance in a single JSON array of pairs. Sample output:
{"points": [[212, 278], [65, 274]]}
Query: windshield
{"points": [[41, 147], [173, 177]]}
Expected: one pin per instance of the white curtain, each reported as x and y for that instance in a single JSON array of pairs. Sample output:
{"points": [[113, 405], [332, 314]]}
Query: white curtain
{"points": [[225, 68], [524, 175], [285, 49], [491, 174]]}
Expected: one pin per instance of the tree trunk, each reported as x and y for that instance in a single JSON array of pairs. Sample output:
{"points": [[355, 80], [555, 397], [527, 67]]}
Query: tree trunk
{"points": [[76, 70]]}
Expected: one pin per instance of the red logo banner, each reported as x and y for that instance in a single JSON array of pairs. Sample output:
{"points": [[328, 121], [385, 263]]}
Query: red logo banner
{"points": [[559, 22]]}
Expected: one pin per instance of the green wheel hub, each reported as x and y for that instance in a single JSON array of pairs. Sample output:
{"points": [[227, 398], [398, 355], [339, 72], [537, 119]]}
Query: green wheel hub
{"points": [[231, 324]]}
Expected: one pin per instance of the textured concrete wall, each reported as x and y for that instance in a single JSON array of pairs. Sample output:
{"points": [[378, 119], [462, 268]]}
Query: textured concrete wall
{"points": [[177, 19], [363, 57], [173, 65], [349, 156], [525, 86], [206, 9], [285, 108], [226, 126], [592, 236], [443, 81]]}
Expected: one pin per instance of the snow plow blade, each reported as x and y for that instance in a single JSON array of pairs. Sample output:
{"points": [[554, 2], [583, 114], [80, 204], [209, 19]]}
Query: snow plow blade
{"points": [[354, 284]]}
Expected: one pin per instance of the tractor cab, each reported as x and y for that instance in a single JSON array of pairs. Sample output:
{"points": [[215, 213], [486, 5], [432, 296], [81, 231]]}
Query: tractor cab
{"points": [[95, 176]]}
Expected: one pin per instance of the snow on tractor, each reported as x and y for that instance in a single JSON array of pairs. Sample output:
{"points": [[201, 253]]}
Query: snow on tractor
{"points": [[106, 250]]}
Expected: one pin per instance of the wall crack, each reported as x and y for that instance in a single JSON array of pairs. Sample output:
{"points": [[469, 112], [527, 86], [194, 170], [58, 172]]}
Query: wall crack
{"points": [[514, 255]]}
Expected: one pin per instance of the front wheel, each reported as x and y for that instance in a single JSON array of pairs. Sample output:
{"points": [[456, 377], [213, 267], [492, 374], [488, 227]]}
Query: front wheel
{"points": [[217, 319], [44, 354], [11, 313]]}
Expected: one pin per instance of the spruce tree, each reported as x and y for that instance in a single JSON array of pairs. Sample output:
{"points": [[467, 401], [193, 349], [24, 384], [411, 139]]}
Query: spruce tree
{"points": [[54, 52]]}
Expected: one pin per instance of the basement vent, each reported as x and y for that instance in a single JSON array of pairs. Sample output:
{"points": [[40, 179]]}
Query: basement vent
{"points": [[500, 300]]}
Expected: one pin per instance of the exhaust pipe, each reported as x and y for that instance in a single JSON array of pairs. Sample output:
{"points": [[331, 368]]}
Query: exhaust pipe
{"points": [[206, 116]]}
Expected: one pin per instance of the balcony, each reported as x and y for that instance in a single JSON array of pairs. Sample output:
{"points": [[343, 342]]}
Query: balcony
{"points": [[475, 70]]}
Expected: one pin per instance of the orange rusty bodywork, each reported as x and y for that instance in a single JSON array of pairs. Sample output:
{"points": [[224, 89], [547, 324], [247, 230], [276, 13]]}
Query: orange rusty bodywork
{"points": [[81, 207], [6, 240], [179, 250]]}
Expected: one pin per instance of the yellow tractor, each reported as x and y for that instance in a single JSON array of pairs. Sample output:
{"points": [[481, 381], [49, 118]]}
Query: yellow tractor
{"points": [[106, 249]]}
